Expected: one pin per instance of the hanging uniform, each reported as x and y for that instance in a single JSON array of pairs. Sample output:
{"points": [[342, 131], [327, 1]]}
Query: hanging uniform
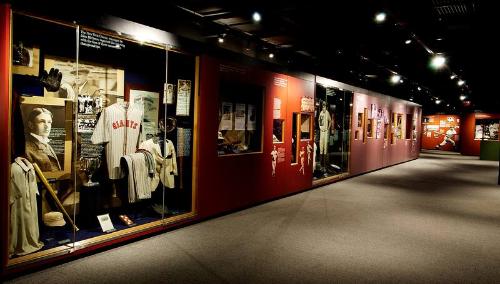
{"points": [[169, 166], [119, 126], [24, 233]]}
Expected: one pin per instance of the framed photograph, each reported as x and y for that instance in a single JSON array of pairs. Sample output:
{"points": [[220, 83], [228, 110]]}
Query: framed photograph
{"points": [[168, 94], [48, 131], [150, 101], [369, 128], [25, 60], [252, 117], [378, 131], [226, 122], [239, 116], [96, 86], [183, 97], [360, 119]]}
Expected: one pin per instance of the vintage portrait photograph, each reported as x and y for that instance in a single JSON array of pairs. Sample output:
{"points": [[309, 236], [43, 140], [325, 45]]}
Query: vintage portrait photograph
{"points": [[168, 97], [25, 60], [89, 81], [47, 134], [226, 121]]}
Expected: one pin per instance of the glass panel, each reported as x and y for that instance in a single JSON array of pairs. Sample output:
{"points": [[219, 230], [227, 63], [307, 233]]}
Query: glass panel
{"points": [[305, 126], [399, 126], [240, 118], [332, 131], [295, 121], [111, 130], [409, 126], [41, 215], [120, 147], [392, 129], [369, 128], [485, 129], [387, 129], [365, 123], [278, 130]]}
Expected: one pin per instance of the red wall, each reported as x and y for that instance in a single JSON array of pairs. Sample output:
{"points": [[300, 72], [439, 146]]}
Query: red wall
{"points": [[235, 181], [443, 122], [4, 124], [469, 146]]}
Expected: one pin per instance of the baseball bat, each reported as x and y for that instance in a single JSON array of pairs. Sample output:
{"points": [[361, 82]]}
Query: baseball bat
{"points": [[54, 195]]}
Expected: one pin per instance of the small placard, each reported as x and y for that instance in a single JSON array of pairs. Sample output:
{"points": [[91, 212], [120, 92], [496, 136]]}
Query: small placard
{"points": [[105, 222]]}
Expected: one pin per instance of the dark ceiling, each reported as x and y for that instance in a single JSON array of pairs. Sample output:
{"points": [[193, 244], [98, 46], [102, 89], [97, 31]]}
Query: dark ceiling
{"points": [[341, 41]]}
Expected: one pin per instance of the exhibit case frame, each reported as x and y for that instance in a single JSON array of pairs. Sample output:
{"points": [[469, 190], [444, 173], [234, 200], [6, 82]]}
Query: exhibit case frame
{"points": [[332, 128], [96, 161]]}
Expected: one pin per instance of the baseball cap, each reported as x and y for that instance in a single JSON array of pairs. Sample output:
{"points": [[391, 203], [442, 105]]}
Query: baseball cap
{"points": [[54, 219]]}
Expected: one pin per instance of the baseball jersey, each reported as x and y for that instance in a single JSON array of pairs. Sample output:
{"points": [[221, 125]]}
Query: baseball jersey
{"points": [[119, 126]]}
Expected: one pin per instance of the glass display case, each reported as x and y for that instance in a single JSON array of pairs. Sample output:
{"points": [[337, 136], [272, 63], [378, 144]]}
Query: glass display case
{"points": [[102, 140], [486, 129], [240, 118], [333, 108]]}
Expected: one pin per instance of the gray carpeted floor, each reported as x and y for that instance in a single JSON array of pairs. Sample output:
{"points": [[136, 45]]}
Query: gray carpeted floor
{"points": [[435, 219]]}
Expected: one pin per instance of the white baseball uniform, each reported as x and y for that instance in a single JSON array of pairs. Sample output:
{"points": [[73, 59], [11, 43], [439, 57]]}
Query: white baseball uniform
{"points": [[119, 126], [324, 127]]}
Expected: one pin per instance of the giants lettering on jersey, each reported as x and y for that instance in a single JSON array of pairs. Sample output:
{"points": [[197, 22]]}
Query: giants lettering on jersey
{"points": [[125, 123]]}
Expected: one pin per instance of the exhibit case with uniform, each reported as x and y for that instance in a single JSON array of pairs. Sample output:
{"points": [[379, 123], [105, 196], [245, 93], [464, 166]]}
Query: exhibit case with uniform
{"points": [[333, 112], [101, 136]]}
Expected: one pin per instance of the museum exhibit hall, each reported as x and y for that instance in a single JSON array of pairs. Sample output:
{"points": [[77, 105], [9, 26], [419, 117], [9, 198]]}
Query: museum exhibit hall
{"points": [[248, 142]]}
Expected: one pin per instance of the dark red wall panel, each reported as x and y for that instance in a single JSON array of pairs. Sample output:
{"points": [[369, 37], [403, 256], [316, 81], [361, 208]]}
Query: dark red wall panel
{"points": [[235, 181], [295, 180]]}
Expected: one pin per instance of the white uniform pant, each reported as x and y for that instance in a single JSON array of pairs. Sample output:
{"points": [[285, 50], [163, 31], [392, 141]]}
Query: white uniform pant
{"points": [[323, 142]]}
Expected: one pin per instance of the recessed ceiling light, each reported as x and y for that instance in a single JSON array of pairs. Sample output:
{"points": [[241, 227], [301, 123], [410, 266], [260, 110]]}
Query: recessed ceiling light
{"points": [[438, 61], [453, 76], [439, 39], [408, 41], [460, 82], [418, 88], [271, 55], [221, 40], [438, 101], [463, 97], [395, 78], [256, 17], [380, 17]]}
